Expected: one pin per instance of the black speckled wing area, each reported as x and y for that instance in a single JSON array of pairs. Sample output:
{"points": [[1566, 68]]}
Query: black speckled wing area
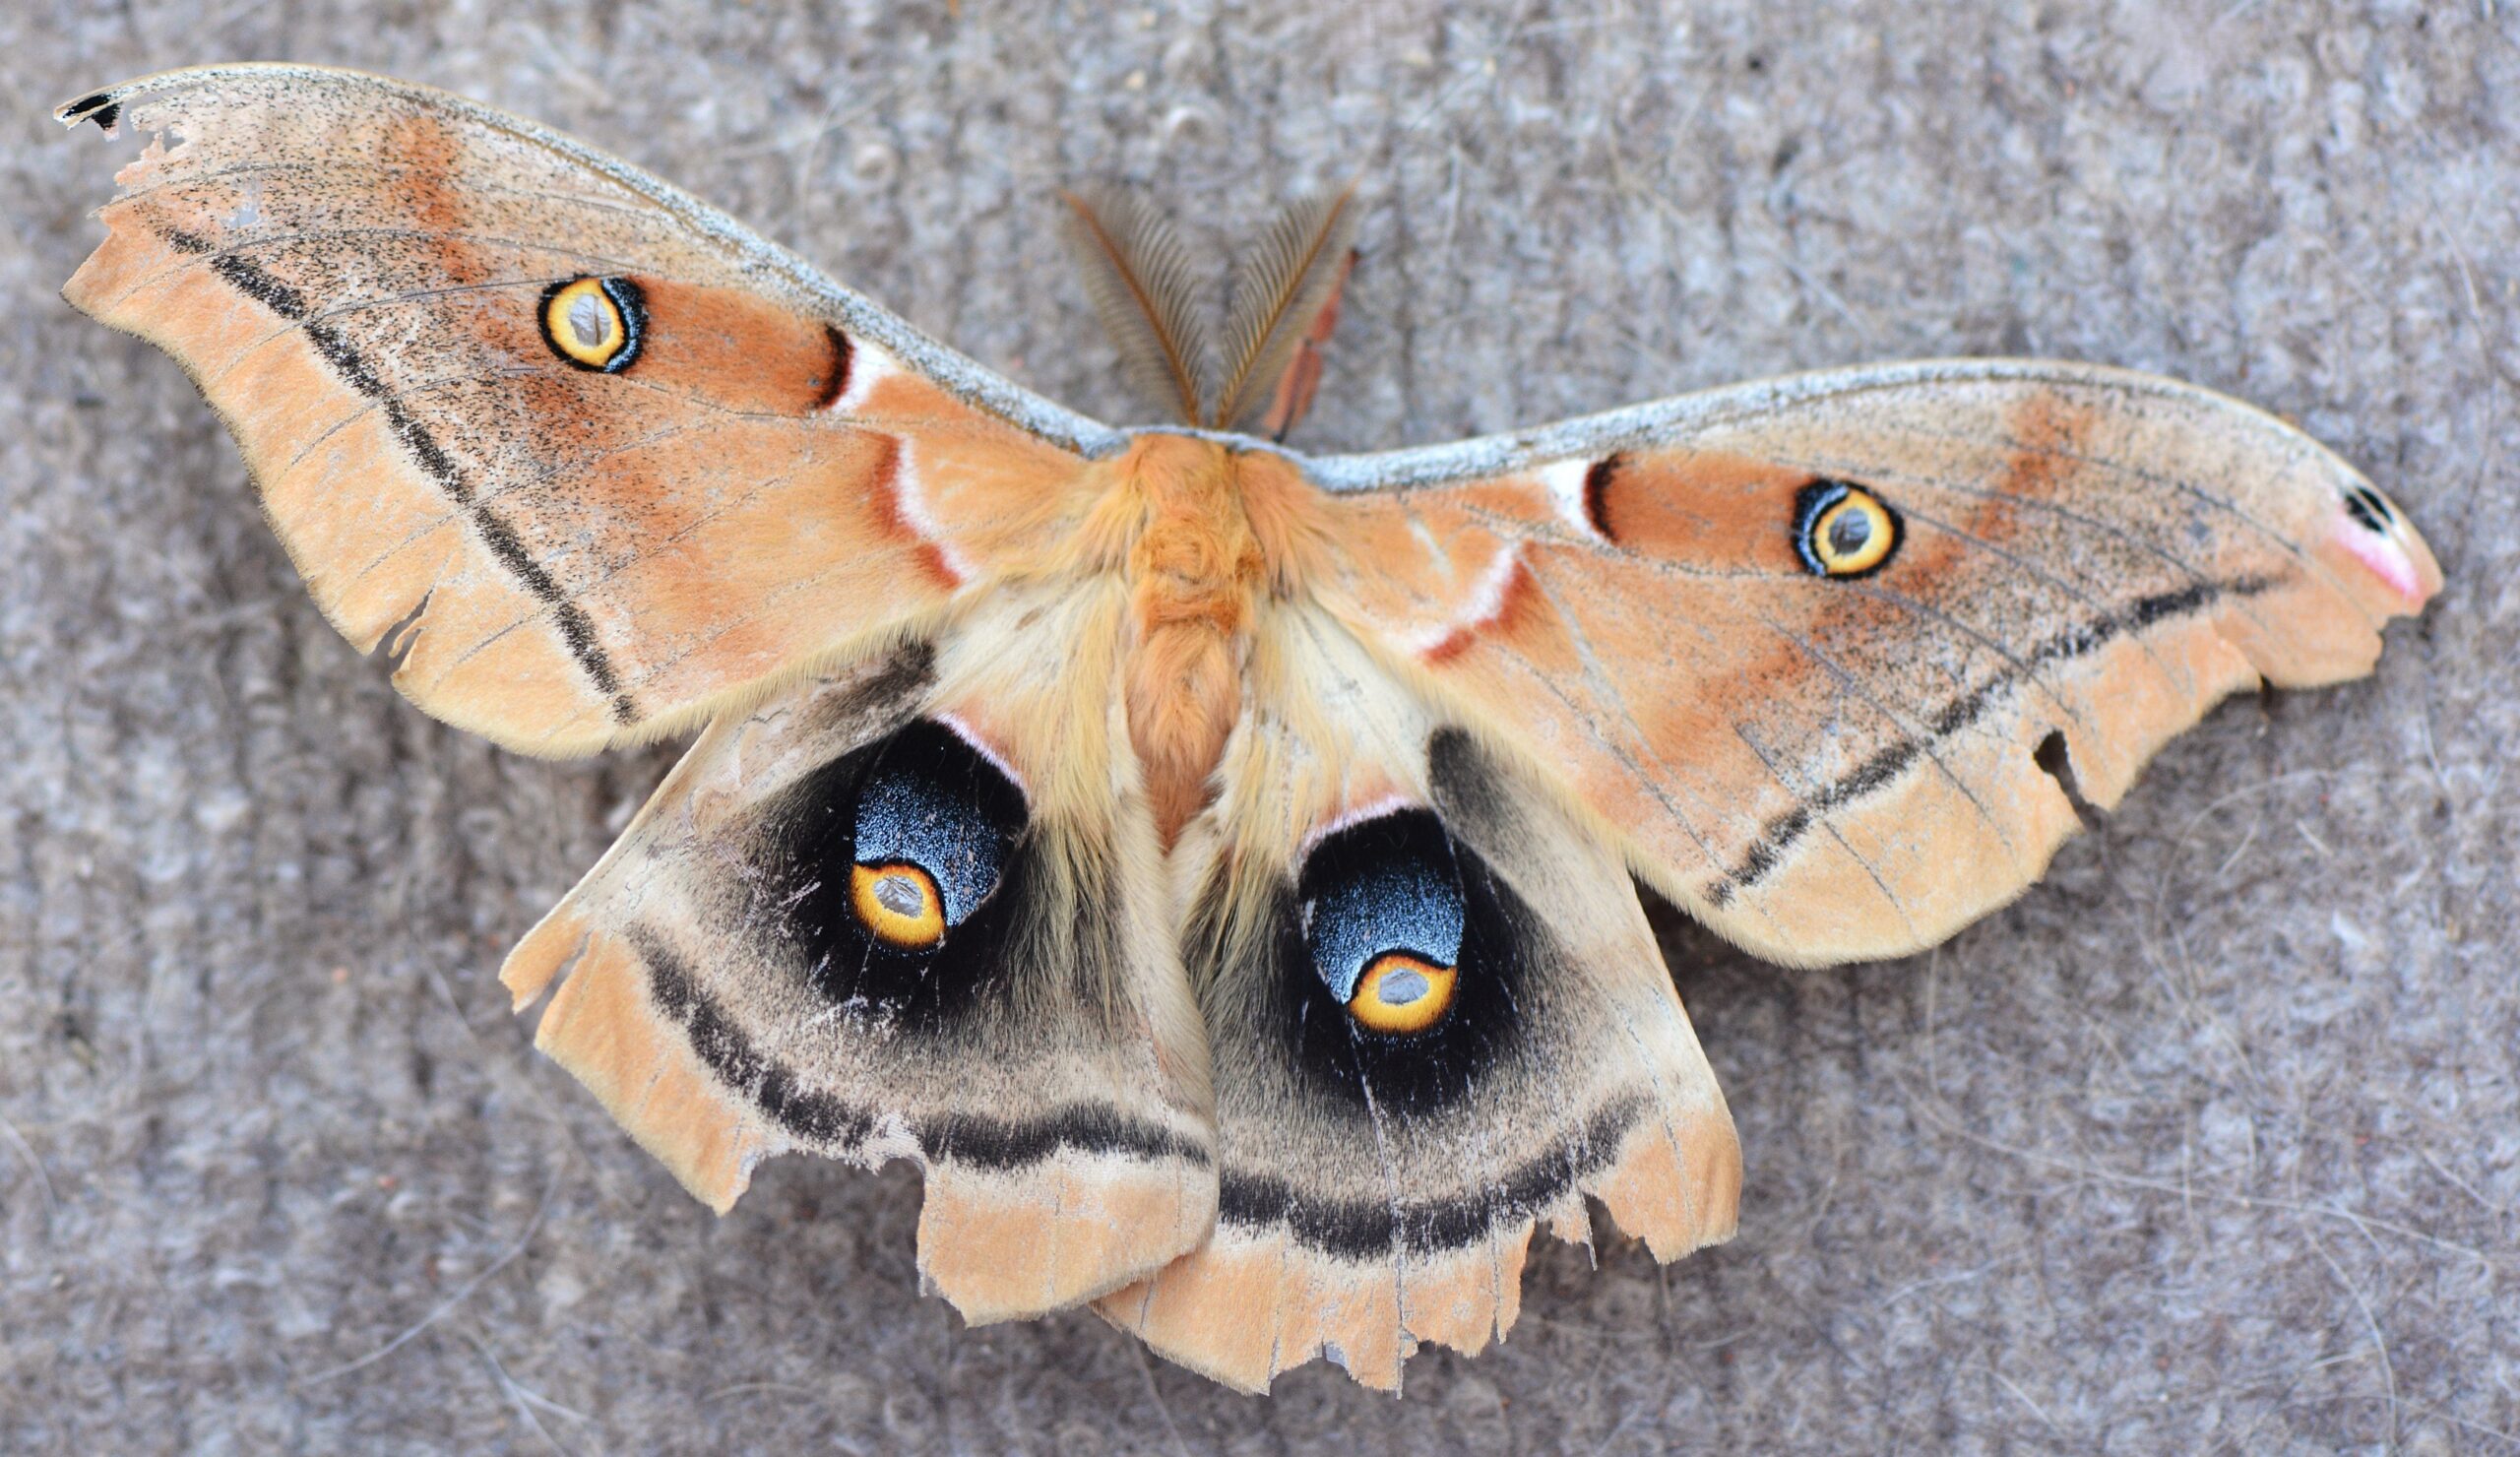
{"points": [[856, 924], [1438, 1019]]}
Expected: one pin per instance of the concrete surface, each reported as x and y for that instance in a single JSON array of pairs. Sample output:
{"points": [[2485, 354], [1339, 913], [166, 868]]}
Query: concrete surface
{"points": [[2212, 1143]]}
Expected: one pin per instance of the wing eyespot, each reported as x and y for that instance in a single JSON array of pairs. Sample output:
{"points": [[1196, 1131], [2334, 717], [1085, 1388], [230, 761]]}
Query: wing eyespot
{"points": [[1841, 530], [898, 905], [889, 867], [931, 833], [1402, 994], [1384, 916], [595, 324]]}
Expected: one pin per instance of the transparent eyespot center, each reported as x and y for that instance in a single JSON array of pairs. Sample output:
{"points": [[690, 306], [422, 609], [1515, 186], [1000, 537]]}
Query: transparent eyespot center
{"points": [[900, 895], [1400, 988], [587, 321], [898, 905], [1846, 531], [593, 323]]}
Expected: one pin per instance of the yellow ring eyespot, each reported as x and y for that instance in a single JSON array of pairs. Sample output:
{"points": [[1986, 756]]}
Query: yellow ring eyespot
{"points": [[1402, 994], [1843, 530], [898, 905], [595, 323]]}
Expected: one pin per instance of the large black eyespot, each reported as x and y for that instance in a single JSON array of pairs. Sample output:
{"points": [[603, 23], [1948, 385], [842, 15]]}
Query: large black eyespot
{"points": [[889, 867], [1841, 530], [593, 323], [1382, 913], [1404, 968], [933, 825]]}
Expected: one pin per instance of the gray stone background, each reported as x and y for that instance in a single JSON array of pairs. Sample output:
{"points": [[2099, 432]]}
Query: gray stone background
{"points": [[2208, 1144]]}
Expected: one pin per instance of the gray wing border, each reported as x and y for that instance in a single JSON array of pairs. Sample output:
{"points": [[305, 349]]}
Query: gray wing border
{"points": [[782, 271], [1676, 420], [1634, 426]]}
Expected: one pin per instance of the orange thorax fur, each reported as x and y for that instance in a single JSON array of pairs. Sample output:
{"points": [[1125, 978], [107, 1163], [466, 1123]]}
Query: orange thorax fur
{"points": [[1202, 533]]}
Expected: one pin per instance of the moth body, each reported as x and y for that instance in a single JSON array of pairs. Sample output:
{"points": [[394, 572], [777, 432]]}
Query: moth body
{"points": [[1202, 531]]}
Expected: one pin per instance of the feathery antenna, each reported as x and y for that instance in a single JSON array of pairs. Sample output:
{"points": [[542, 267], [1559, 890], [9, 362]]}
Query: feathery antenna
{"points": [[1278, 293], [1292, 399], [1139, 275]]}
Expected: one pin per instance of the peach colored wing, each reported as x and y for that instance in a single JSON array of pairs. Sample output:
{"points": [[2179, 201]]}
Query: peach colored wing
{"points": [[1437, 1022], [602, 465], [909, 909], [1803, 645], [593, 457]]}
